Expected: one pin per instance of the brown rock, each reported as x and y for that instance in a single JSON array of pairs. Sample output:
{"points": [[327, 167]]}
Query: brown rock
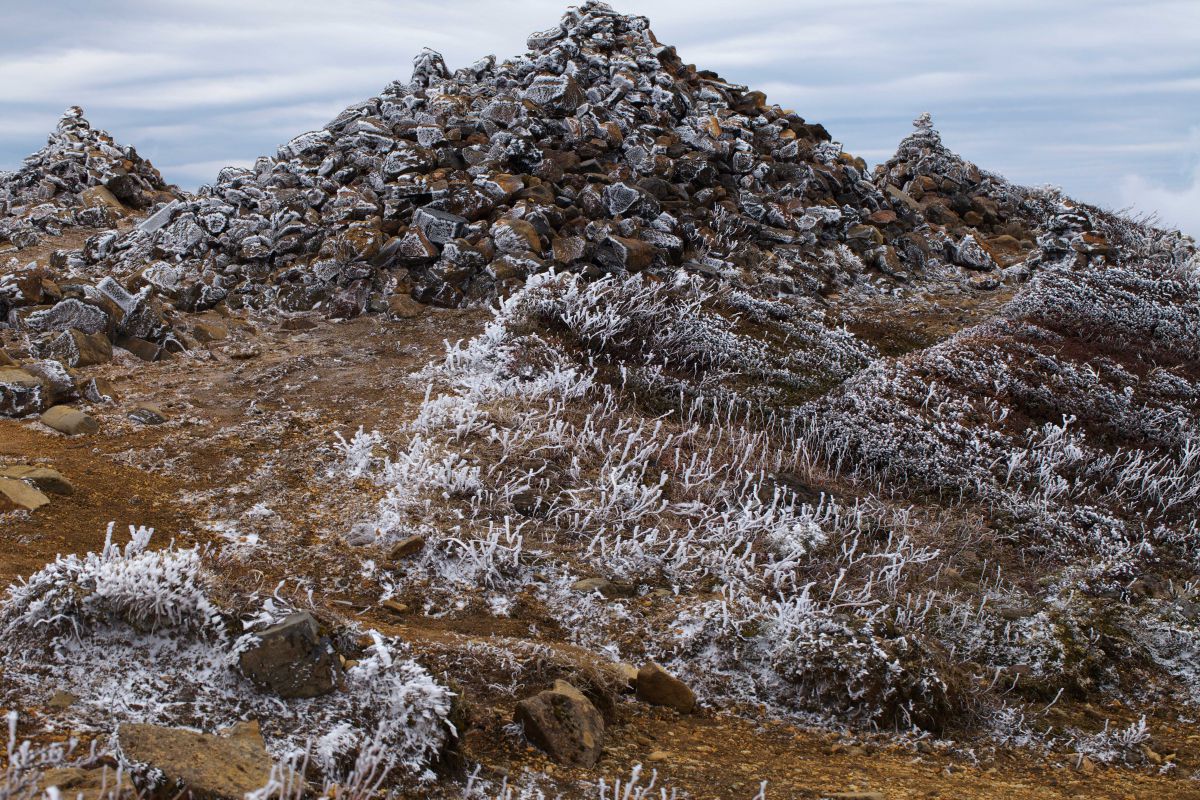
{"points": [[864, 233], [402, 306], [882, 217], [515, 236], [568, 249], [395, 606], [146, 351], [563, 723], [16, 495], [618, 252], [900, 196], [206, 332], [97, 390], [70, 421], [1005, 250], [101, 197], [200, 765], [292, 659], [658, 687], [406, 547], [78, 349], [44, 478]]}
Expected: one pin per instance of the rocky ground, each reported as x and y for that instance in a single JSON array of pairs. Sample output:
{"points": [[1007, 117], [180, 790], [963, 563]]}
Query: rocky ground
{"points": [[585, 418], [241, 417]]}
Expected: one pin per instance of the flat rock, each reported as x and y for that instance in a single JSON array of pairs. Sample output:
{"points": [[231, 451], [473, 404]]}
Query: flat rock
{"points": [[563, 723], [438, 226], [18, 495], [44, 478], [292, 659], [70, 313], [406, 547], [70, 421], [147, 414], [660, 688], [200, 765]]}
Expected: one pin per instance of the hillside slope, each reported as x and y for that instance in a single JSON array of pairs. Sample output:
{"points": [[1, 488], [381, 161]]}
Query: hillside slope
{"points": [[540, 369]]}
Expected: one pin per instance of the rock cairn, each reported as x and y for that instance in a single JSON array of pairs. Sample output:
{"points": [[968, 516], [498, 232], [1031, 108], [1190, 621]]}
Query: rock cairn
{"points": [[599, 151], [81, 178]]}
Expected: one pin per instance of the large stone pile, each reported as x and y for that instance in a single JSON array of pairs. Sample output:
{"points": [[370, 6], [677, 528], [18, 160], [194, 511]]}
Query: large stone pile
{"points": [[599, 151], [82, 177], [977, 220]]}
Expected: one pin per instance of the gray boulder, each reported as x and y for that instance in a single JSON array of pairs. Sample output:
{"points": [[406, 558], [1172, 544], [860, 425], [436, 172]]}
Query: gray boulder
{"points": [[292, 659]]}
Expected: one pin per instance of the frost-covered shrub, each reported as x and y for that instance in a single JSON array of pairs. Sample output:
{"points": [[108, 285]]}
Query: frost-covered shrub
{"points": [[391, 716], [812, 655], [358, 454], [637, 786], [134, 635], [26, 763], [146, 589], [1108, 746]]}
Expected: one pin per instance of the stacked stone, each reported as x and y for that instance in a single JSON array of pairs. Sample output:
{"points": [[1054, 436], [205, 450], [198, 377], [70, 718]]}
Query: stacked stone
{"points": [[82, 177], [599, 151], [976, 220]]}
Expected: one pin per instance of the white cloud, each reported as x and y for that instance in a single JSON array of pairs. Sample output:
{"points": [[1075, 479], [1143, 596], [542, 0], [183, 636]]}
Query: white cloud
{"points": [[1174, 208], [200, 171]]}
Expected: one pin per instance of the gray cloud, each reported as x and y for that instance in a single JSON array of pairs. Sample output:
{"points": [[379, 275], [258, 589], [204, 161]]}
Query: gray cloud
{"points": [[1097, 96]]}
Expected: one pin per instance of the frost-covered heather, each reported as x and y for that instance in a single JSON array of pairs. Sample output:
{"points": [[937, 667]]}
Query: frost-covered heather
{"points": [[637, 786], [533, 466], [597, 430], [133, 633], [26, 763], [1073, 419]]}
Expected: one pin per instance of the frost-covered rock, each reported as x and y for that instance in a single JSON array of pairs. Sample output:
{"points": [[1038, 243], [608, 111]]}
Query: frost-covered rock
{"points": [[291, 658]]}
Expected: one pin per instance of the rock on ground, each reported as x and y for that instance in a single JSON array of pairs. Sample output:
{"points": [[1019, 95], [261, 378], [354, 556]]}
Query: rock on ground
{"points": [[292, 659], [564, 723], [658, 687], [70, 421], [200, 765]]}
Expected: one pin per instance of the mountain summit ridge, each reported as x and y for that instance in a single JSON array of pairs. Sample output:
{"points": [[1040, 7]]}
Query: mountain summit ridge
{"points": [[586, 410]]}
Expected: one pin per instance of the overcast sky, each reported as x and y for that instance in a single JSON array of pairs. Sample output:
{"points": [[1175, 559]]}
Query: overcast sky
{"points": [[1099, 97]]}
